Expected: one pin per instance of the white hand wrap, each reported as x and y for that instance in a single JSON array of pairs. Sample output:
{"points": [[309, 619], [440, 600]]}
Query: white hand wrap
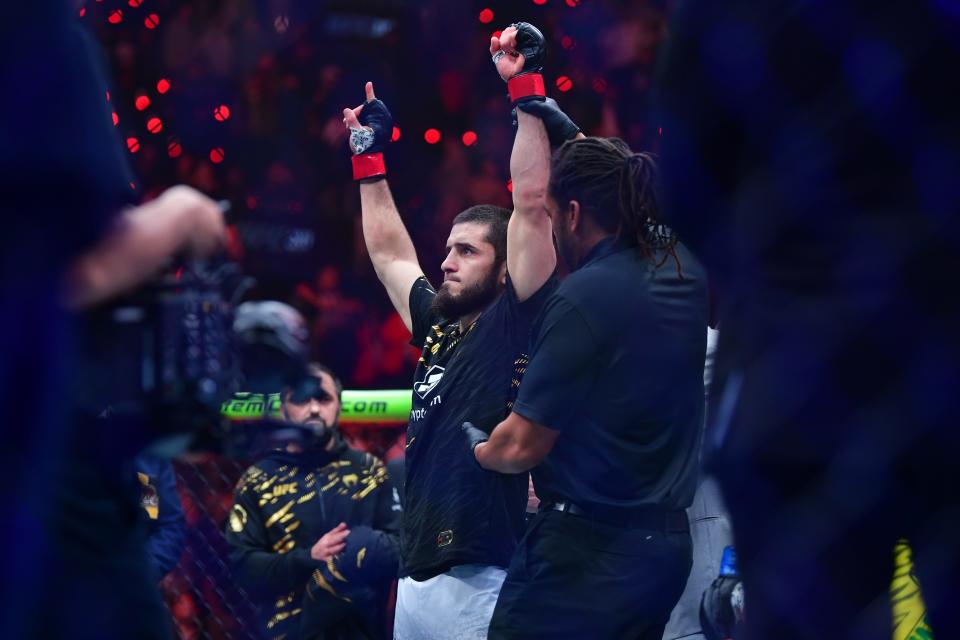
{"points": [[361, 139]]}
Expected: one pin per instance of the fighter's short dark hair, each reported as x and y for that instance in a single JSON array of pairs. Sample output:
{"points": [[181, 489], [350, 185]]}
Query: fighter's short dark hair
{"points": [[496, 219]]}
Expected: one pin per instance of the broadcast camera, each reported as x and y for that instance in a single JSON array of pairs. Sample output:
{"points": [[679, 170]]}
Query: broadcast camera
{"points": [[164, 360]]}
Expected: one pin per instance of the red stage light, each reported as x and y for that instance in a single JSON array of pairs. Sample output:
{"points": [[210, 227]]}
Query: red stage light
{"points": [[115, 17], [564, 83], [221, 113], [432, 136], [108, 95], [510, 186], [539, 1], [116, 118], [573, 3], [141, 103], [83, 11], [567, 42], [163, 85], [469, 138], [486, 16], [133, 144], [599, 85], [395, 135], [174, 149], [154, 125], [151, 21], [216, 155], [496, 34], [659, 131], [135, 3]]}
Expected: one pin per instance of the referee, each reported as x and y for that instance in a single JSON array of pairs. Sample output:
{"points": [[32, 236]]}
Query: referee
{"points": [[609, 412]]}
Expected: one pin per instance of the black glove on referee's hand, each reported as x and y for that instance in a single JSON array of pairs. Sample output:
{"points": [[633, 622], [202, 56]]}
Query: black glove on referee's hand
{"points": [[474, 435], [559, 126]]}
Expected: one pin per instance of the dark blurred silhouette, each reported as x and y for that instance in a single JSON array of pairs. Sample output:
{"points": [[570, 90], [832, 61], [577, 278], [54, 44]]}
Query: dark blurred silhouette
{"points": [[73, 537], [810, 153]]}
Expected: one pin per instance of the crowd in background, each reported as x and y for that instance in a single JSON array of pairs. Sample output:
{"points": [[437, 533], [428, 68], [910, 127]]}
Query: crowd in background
{"points": [[285, 70]]}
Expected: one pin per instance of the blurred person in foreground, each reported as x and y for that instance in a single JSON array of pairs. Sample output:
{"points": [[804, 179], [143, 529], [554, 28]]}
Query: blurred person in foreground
{"points": [[461, 524], [314, 525], [810, 156], [72, 539]]}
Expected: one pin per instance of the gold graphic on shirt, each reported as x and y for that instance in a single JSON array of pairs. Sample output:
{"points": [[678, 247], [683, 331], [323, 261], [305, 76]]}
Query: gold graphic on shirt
{"points": [[149, 498], [519, 368], [282, 511], [280, 617], [361, 555], [357, 485], [282, 602], [321, 582], [332, 568], [283, 542], [238, 518], [266, 484], [284, 489], [306, 497]]}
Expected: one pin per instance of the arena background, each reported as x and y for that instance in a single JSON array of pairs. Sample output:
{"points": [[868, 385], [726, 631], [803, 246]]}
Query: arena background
{"points": [[242, 99]]}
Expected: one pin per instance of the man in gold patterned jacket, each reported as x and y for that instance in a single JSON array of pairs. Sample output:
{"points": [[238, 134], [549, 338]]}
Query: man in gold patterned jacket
{"points": [[313, 529]]}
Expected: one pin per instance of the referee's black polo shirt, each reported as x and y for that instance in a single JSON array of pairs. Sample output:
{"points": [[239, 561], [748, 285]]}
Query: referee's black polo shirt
{"points": [[617, 366]]}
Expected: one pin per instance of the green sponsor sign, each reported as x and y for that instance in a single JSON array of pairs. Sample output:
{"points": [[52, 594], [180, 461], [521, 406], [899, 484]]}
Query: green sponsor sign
{"points": [[359, 407]]}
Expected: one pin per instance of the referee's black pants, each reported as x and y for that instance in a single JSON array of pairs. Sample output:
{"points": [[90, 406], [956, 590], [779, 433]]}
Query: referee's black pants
{"points": [[573, 577]]}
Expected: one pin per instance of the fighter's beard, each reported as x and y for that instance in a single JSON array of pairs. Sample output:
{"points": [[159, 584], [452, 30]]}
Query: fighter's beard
{"points": [[470, 300]]}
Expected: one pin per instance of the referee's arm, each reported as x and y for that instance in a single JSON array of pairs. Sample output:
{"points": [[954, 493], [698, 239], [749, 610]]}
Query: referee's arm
{"points": [[554, 390], [516, 445]]}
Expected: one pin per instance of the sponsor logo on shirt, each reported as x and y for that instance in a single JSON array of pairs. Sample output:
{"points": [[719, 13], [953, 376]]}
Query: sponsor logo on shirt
{"points": [[444, 538], [430, 381]]}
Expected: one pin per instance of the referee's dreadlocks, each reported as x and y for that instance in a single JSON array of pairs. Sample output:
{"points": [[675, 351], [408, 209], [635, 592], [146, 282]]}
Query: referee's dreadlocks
{"points": [[616, 188]]}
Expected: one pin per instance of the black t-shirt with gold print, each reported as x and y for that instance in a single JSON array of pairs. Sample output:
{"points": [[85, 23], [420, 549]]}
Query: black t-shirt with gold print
{"points": [[282, 505], [455, 512]]}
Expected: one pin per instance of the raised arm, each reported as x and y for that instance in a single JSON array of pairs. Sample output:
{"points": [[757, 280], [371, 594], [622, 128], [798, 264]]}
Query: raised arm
{"points": [[531, 258], [518, 55], [388, 243]]}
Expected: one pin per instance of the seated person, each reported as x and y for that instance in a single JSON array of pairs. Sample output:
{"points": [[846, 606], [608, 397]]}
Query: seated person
{"points": [[313, 529]]}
